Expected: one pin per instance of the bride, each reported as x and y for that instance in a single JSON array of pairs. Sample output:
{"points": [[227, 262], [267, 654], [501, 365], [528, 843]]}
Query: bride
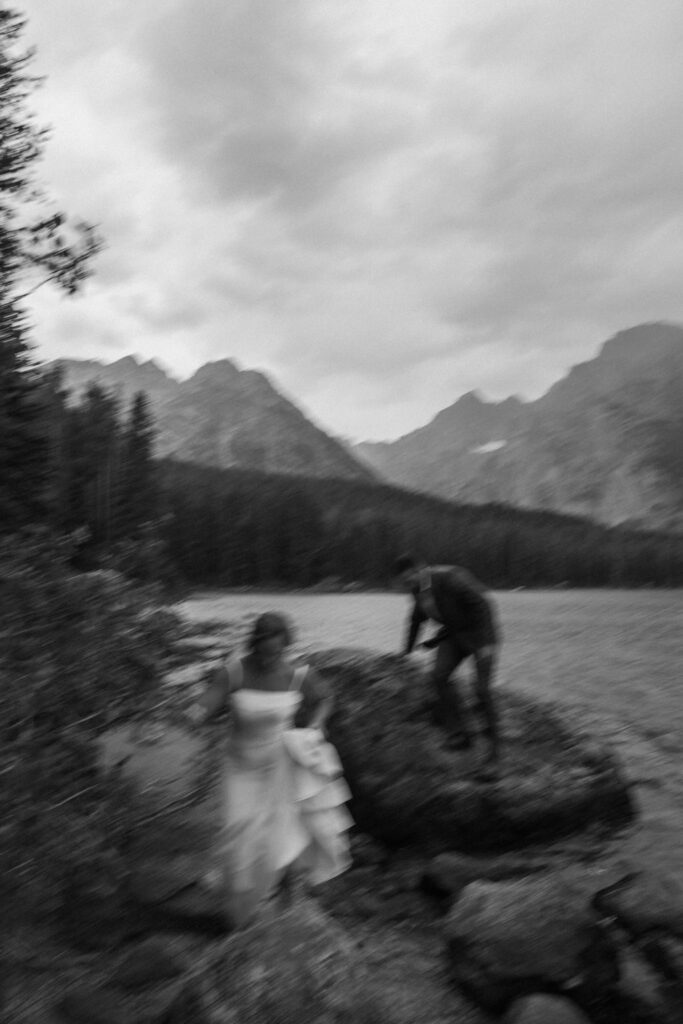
{"points": [[284, 794]]}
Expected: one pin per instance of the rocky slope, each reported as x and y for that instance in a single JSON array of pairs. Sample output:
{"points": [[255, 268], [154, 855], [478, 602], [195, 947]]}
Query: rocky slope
{"points": [[224, 417], [605, 441]]}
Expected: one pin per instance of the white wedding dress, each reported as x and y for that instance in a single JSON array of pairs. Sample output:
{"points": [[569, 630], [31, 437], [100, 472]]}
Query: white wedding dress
{"points": [[284, 798]]}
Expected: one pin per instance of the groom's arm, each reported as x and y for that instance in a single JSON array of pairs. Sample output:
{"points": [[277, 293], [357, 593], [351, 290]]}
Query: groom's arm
{"points": [[414, 625]]}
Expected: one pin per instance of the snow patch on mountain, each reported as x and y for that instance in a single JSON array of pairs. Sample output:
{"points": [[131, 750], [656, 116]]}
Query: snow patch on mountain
{"points": [[489, 446]]}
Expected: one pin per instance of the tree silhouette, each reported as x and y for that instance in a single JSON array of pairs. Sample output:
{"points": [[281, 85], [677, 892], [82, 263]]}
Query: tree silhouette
{"points": [[137, 494], [37, 245]]}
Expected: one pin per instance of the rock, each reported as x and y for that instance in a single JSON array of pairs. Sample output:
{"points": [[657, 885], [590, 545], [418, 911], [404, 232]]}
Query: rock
{"points": [[177, 1004], [365, 851], [649, 906], [156, 880], [168, 766], [508, 939], [186, 675], [544, 1009], [643, 901], [199, 643], [94, 1005], [191, 909], [642, 988], [196, 910], [398, 907], [97, 915], [447, 874], [291, 965], [147, 964], [408, 790]]}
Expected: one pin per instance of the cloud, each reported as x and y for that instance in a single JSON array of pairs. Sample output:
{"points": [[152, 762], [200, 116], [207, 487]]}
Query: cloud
{"points": [[387, 201]]}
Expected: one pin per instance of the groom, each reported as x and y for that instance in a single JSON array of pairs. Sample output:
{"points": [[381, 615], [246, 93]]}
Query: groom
{"points": [[451, 596]]}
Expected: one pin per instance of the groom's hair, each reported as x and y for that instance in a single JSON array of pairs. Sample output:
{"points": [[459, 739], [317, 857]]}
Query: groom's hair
{"points": [[404, 563]]}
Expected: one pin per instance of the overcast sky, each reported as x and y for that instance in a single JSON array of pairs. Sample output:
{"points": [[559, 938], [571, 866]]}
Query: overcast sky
{"points": [[381, 203]]}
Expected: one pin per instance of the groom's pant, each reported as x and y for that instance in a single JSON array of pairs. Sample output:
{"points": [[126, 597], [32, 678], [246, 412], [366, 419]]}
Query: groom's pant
{"points": [[449, 710]]}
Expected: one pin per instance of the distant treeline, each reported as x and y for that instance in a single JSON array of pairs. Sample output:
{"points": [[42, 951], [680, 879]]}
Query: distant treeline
{"points": [[82, 470], [236, 528], [87, 470]]}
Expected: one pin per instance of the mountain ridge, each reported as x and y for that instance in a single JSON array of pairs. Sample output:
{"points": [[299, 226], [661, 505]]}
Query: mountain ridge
{"points": [[222, 416], [601, 442]]}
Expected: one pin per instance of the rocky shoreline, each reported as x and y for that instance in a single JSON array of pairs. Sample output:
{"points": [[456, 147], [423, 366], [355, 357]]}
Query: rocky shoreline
{"points": [[522, 900]]}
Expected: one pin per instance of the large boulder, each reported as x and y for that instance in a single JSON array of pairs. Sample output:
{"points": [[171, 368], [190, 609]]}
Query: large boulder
{"points": [[294, 965], [408, 789], [447, 874], [648, 906], [644, 902], [543, 1009], [510, 939]]}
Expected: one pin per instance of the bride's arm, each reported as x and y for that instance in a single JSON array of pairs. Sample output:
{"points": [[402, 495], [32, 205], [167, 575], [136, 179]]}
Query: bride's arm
{"points": [[318, 700]]}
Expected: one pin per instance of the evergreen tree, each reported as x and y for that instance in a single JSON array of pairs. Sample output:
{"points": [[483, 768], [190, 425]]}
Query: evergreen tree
{"points": [[23, 445], [137, 496], [35, 247], [100, 445]]}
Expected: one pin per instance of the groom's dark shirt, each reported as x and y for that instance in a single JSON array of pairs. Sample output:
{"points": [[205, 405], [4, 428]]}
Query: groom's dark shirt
{"points": [[452, 596]]}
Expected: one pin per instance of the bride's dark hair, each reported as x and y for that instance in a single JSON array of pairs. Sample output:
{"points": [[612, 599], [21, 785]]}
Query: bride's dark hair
{"points": [[268, 625]]}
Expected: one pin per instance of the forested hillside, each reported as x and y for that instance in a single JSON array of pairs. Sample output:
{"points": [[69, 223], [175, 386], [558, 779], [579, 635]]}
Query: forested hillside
{"points": [[239, 528], [198, 525]]}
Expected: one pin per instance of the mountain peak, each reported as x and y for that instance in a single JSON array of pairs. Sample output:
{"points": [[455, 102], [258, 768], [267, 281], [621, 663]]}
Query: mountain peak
{"points": [[127, 362], [471, 398], [219, 371], [639, 343]]}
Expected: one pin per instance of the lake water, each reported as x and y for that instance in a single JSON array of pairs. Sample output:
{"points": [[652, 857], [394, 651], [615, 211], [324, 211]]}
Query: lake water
{"points": [[612, 658], [613, 649]]}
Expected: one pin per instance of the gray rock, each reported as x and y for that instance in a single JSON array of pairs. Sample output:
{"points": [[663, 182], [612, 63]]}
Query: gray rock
{"points": [[408, 790], [94, 1005], [508, 939], [642, 987], [544, 1009], [177, 1004], [146, 965], [292, 964], [643, 901], [156, 880], [192, 908], [365, 851], [199, 643], [186, 675], [447, 874], [163, 761], [97, 915]]}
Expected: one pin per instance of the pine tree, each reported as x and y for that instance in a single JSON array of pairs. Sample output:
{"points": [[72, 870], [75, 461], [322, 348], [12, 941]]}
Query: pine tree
{"points": [[100, 447], [35, 247], [23, 445], [138, 492]]}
